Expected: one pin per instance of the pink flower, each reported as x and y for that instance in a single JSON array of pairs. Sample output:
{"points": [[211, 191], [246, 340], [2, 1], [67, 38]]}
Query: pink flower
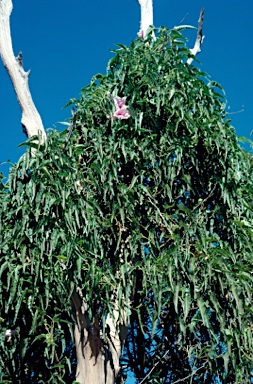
{"points": [[121, 113], [141, 34], [121, 107], [120, 102]]}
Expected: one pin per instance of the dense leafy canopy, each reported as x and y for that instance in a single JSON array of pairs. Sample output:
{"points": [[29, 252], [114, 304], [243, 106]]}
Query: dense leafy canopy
{"points": [[153, 212]]}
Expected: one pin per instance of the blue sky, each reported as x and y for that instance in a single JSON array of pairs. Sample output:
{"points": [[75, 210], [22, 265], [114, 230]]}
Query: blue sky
{"points": [[65, 43]]}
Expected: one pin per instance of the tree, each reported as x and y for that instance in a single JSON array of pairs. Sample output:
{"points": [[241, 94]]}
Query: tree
{"points": [[126, 240]]}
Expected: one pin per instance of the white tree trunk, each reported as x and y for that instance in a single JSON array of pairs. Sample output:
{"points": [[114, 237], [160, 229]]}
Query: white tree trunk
{"points": [[31, 120]]}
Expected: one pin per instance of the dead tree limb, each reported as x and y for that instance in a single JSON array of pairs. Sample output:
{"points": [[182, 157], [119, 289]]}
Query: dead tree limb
{"points": [[31, 120], [200, 37], [146, 16]]}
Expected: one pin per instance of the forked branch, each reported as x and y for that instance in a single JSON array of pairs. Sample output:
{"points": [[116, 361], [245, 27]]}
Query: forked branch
{"points": [[31, 120]]}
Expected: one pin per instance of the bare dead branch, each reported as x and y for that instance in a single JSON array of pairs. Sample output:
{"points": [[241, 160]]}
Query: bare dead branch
{"points": [[200, 37], [146, 16], [31, 120]]}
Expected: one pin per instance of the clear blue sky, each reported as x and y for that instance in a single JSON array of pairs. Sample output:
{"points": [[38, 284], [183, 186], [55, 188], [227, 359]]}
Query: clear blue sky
{"points": [[66, 42]]}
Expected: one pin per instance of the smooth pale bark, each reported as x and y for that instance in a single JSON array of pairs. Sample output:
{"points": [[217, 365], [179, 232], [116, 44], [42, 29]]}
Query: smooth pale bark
{"points": [[146, 15], [31, 120], [97, 360], [200, 37]]}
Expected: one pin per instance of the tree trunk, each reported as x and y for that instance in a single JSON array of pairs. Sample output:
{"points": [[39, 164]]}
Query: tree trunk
{"points": [[97, 360], [92, 369]]}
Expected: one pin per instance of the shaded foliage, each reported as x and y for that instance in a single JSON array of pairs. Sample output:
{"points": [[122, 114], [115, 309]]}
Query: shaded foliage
{"points": [[153, 211]]}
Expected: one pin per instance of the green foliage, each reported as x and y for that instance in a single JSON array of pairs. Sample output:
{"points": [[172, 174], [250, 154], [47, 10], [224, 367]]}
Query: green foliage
{"points": [[154, 211]]}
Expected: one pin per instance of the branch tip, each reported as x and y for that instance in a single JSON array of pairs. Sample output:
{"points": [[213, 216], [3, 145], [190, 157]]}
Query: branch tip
{"points": [[200, 35], [199, 39]]}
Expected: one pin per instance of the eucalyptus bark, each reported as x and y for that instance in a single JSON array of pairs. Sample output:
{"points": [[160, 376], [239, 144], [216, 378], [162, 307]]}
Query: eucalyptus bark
{"points": [[97, 358]]}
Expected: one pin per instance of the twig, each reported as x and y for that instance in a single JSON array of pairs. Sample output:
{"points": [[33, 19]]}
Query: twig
{"points": [[71, 128], [200, 37], [161, 215], [234, 113], [198, 215], [183, 18], [166, 353], [191, 375]]}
